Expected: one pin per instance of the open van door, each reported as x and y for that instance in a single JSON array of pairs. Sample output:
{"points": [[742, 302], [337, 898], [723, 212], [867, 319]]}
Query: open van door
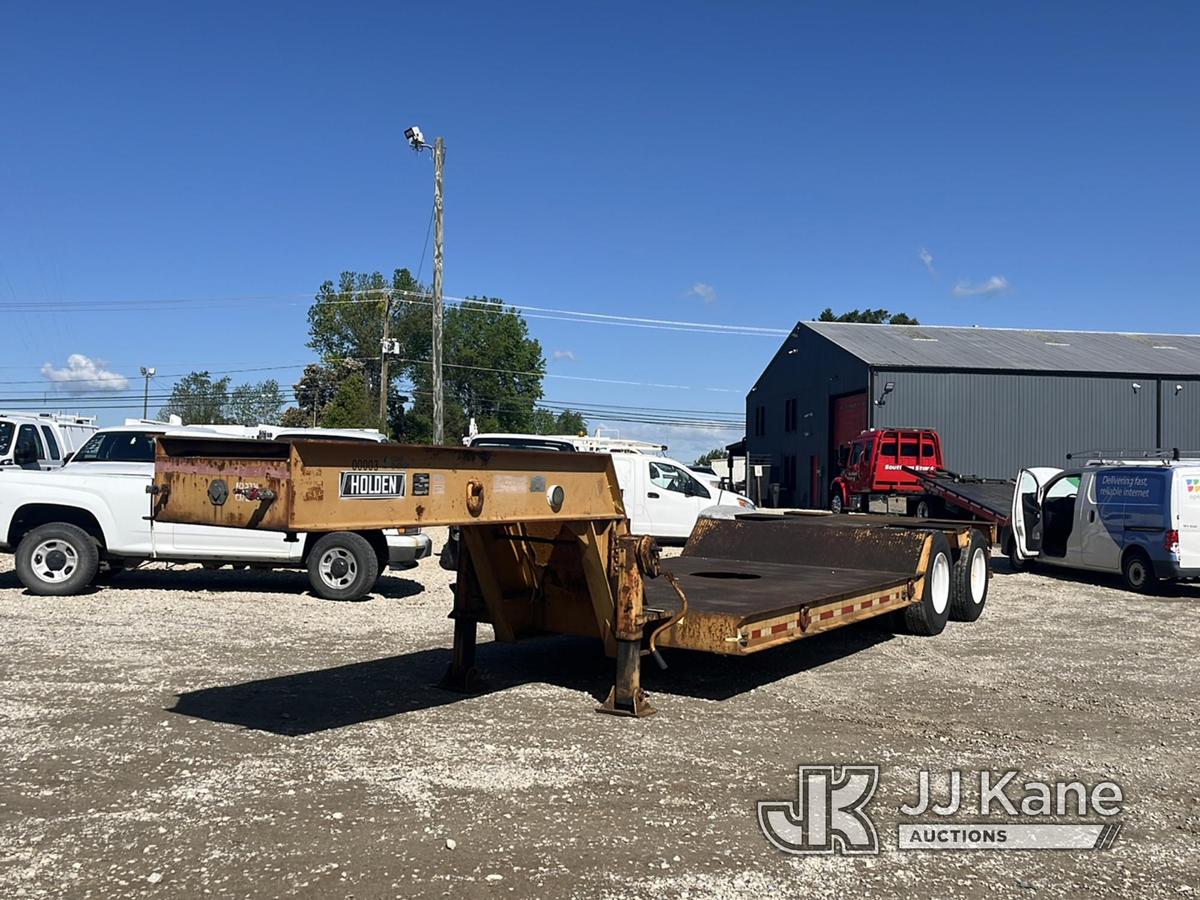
{"points": [[1026, 516]]}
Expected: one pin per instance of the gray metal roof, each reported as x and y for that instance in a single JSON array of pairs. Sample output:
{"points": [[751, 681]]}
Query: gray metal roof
{"points": [[948, 347]]}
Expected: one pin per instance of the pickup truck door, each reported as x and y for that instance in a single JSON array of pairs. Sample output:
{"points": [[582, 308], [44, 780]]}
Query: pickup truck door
{"points": [[1026, 514], [674, 499]]}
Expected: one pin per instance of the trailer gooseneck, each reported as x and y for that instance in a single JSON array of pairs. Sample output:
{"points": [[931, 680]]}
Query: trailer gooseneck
{"points": [[546, 548]]}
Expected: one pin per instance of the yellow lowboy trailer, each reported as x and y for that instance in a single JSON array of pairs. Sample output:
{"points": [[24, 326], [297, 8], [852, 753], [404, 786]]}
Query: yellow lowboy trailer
{"points": [[546, 548]]}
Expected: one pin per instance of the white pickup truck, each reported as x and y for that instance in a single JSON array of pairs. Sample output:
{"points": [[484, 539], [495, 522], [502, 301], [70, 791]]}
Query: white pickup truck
{"points": [[65, 526]]}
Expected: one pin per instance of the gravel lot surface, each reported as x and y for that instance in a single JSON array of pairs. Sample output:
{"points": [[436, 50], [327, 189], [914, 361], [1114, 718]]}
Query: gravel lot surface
{"points": [[188, 733]]}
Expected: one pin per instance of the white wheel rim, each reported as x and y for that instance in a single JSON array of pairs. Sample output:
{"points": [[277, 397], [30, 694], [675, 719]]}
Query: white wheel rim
{"points": [[337, 567], [54, 561], [837, 503], [978, 575], [940, 583]]}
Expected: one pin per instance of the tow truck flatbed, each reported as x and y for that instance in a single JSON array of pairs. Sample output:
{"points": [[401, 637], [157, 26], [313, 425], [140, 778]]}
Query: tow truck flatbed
{"points": [[989, 499]]}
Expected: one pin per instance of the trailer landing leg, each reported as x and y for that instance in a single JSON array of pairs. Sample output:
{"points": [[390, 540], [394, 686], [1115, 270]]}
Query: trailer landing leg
{"points": [[627, 697], [461, 675]]}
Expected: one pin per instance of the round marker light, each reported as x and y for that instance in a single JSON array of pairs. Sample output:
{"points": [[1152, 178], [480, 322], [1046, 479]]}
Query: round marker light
{"points": [[555, 497]]}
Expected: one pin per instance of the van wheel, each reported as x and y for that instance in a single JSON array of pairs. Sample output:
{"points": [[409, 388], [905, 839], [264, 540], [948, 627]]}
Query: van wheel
{"points": [[971, 580], [57, 560], [1137, 572], [342, 566], [929, 616]]}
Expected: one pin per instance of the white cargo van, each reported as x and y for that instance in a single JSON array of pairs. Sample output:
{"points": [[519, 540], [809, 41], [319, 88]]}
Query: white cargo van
{"points": [[663, 497], [1140, 520], [42, 440]]}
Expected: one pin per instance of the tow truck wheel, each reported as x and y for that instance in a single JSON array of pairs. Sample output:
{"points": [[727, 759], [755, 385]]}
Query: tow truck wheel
{"points": [[929, 616], [342, 566], [923, 509], [835, 501], [1137, 572], [57, 560], [970, 580]]}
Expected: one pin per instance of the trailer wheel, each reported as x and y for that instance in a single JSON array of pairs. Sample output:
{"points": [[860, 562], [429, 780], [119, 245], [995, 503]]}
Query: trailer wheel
{"points": [[929, 616], [57, 560], [971, 580], [342, 566], [1137, 572]]}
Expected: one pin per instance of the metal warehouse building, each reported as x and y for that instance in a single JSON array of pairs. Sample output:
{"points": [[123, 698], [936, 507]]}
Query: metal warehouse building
{"points": [[1002, 399]]}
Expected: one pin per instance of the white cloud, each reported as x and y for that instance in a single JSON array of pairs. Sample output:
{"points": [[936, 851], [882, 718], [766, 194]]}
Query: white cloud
{"points": [[568, 355], [705, 292], [997, 284], [82, 373], [926, 259]]}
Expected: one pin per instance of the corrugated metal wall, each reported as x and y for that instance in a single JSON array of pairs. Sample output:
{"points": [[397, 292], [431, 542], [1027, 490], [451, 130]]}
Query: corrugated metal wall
{"points": [[817, 372], [1181, 413], [994, 424]]}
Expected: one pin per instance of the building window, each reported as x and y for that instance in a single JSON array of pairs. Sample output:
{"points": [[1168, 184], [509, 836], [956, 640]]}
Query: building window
{"points": [[760, 421], [789, 415]]}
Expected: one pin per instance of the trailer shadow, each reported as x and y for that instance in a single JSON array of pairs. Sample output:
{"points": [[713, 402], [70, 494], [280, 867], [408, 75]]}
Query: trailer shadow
{"points": [[391, 585], [323, 699]]}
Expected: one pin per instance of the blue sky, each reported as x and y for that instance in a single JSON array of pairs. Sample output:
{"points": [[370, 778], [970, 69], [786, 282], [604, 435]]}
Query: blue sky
{"points": [[746, 164]]}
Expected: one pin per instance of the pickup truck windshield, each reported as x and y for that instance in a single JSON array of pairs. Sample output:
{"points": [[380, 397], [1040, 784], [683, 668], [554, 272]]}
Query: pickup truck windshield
{"points": [[7, 430], [117, 446]]}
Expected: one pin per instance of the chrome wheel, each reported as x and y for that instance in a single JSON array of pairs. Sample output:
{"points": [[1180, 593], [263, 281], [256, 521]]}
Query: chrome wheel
{"points": [[337, 567], [54, 560]]}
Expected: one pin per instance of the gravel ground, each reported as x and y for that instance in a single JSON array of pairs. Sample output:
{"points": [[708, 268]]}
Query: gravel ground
{"points": [[186, 734]]}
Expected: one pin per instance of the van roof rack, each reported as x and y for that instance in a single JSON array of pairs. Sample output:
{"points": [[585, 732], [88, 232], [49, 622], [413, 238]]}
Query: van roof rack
{"points": [[1132, 457]]}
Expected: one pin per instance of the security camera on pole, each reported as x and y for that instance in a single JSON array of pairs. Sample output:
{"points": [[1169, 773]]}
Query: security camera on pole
{"points": [[147, 374], [417, 141]]}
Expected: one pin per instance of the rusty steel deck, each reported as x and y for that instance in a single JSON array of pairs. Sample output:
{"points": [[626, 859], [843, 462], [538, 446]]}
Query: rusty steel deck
{"points": [[546, 547]]}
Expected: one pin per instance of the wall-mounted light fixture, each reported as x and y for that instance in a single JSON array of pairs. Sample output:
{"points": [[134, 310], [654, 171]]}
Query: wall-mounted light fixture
{"points": [[1136, 387], [888, 387], [1178, 389]]}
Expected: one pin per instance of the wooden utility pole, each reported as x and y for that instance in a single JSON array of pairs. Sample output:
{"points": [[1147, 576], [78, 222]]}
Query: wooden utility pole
{"points": [[383, 362], [439, 156]]}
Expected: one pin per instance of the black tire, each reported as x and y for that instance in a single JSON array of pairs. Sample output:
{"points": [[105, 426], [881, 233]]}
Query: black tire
{"points": [[57, 560], [835, 502], [1137, 572], [930, 615], [971, 580], [925, 508], [342, 566], [1015, 562]]}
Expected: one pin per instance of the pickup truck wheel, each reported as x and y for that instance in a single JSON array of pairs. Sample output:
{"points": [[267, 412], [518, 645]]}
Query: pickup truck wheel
{"points": [[57, 560], [929, 616], [970, 580], [342, 566], [1137, 572]]}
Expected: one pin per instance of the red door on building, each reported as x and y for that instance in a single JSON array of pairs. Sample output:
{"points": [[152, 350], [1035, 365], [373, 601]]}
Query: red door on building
{"points": [[849, 418]]}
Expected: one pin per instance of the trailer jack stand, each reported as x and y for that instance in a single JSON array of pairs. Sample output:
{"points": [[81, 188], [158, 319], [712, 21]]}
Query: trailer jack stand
{"points": [[627, 697], [461, 675]]}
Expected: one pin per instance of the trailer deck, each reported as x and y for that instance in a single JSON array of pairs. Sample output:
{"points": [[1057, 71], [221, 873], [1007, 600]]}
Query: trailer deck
{"points": [[546, 548]]}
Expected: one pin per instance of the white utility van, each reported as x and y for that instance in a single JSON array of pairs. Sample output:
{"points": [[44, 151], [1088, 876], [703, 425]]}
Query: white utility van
{"points": [[42, 440], [663, 497], [1141, 520]]}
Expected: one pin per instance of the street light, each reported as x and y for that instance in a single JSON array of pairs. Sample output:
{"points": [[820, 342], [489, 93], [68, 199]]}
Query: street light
{"points": [[147, 374]]}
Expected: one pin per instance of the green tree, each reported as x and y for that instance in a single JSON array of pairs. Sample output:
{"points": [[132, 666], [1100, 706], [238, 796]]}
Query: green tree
{"points": [[350, 406], [566, 422], [198, 399], [705, 458], [255, 404], [295, 417], [869, 316]]}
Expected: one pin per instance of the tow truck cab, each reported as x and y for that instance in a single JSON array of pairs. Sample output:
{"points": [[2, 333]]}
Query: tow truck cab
{"points": [[874, 466]]}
